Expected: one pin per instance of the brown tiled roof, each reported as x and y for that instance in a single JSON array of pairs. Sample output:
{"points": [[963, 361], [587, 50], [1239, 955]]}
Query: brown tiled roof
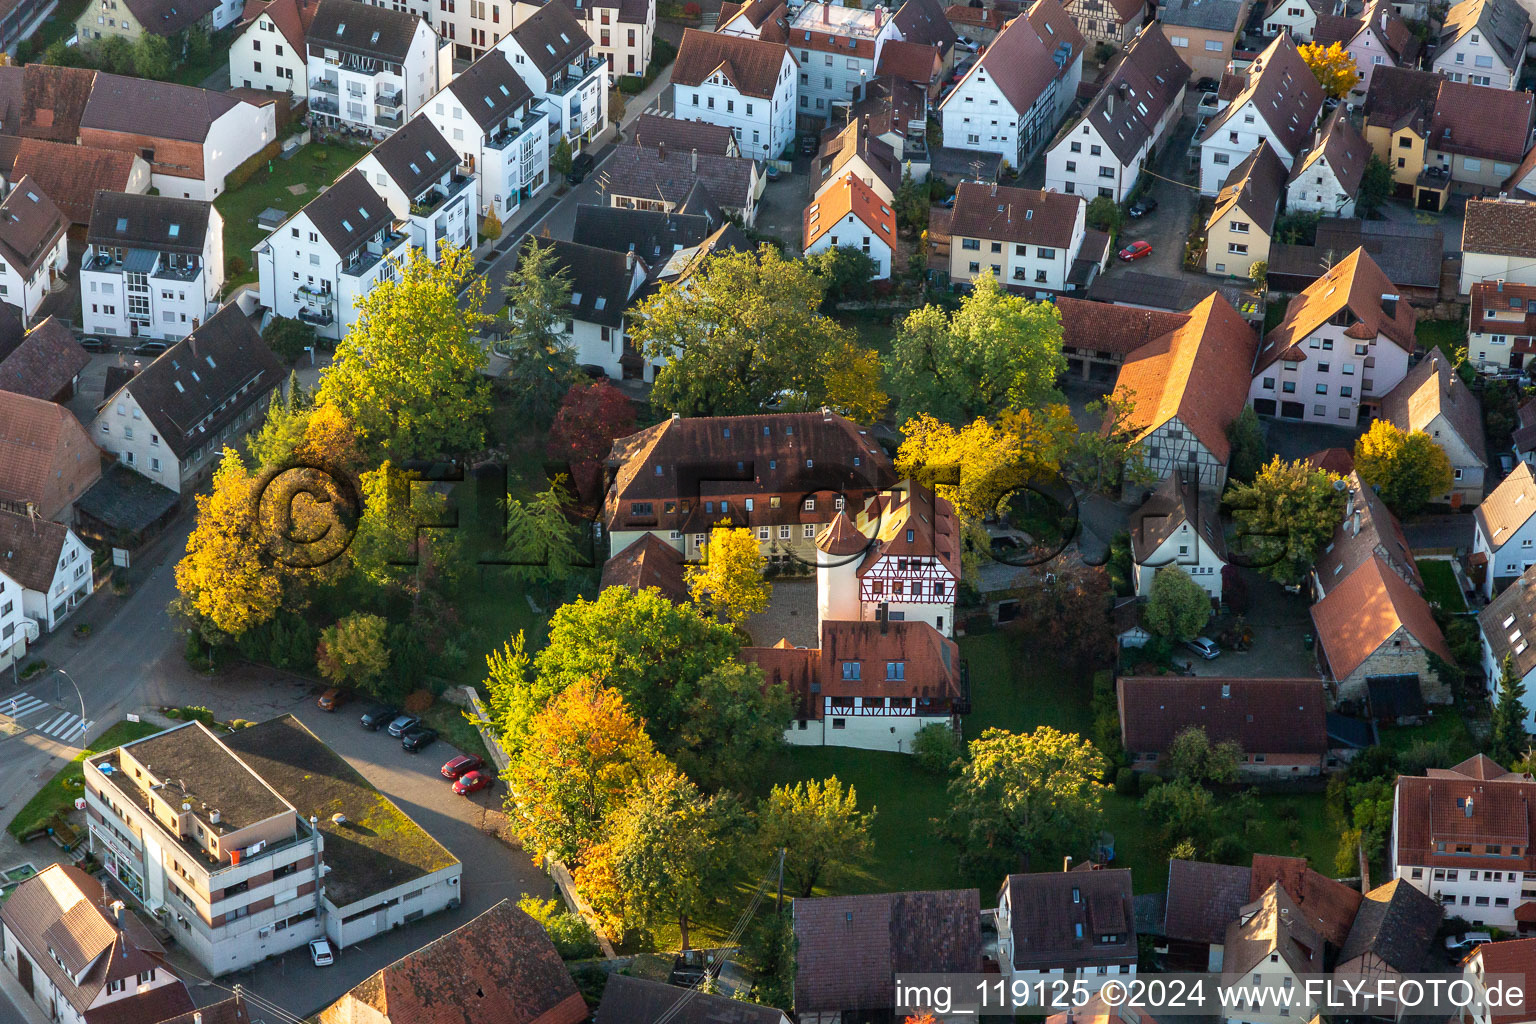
{"points": [[1509, 623], [44, 363], [889, 105], [989, 18], [1127, 109], [73, 175], [1020, 61], [908, 506], [1501, 227], [851, 947], [1104, 327], [1253, 190], [30, 226], [1203, 899], [1363, 611], [136, 106], [1509, 297], [648, 562], [1397, 923], [1283, 91], [1337, 461], [226, 1011], [1334, 28], [683, 135], [1503, 23], [1480, 121], [498, 967], [551, 37], [661, 173], [1047, 909], [1401, 97], [1368, 530], [1263, 716], [1339, 146], [53, 101], [855, 140], [1198, 373], [1393, 32], [46, 456], [1355, 283], [167, 17], [1023, 215], [1328, 906], [751, 65], [1510, 956], [292, 18], [924, 22], [1456, 805], [1175, 503], [628, 1000], [911, 62], [1273, 925], [63, 910], [1508, 507], [849, 197], [1434, 389]]}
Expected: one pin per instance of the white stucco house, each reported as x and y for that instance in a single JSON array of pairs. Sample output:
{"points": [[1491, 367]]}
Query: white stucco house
{"points": [[1180, 528], [1279, 103], [419, 175], [838, 49], [740, 83], [1498, 242], [604, 284], [1504, 531], [1327, 178], [850, 213], [269, 52], [1074, 926], [552, 54], [371, 67], [153, 266], [50, 565], [33, 248], [1506, 627], [1483, 42]]}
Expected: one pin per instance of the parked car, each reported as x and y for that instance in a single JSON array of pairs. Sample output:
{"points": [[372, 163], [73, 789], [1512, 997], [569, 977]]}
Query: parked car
{"points": [[581, 166], [417, 738], [400, 723], [378, 715], [473, 782], [594, 371], [808, 145], [1136, 250], [150, 348], [321, 953], [772, 172], [462, 765], [1206, 85], [1142, 206], [1204, 646], [948, 202], [94, 345], [1467, 942], [332, 699]]}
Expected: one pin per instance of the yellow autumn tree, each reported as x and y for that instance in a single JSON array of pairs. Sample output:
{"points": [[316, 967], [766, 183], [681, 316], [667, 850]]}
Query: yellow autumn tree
{"points": [[728, 582], [977, 466], [1408, 470], [223, 579], [851, 376], [1334, 67]]}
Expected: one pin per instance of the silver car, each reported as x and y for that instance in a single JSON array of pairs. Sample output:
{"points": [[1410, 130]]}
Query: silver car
{"points": [[1204, 646]]}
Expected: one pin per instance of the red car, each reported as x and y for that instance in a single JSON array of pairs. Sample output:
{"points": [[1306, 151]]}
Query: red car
{"points": [[1136, 250], [463, 763], [472, 782]]}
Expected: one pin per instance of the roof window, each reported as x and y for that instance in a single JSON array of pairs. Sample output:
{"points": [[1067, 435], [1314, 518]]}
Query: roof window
{"points": [[174, 231], [341, 28]]}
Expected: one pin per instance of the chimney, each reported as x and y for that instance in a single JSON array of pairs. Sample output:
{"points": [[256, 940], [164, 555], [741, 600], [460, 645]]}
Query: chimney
{"points": [[826, 13], [629, 260], [826, 414], [677, 415], [879, 16], [1501, 285], [197, 1017], [1383, 21], [1389, 305], [694, 162], [661, 152], [883, 613]]}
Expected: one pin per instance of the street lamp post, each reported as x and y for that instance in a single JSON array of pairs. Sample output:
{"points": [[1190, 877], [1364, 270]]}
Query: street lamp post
{"points": [[56, 690]]}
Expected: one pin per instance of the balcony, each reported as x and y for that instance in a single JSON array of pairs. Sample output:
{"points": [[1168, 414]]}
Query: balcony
{"points": [[390, 121], [372, 253], [313, 296], [189, 269], [574, 74], [100, 259], [323, 104], [432, 200], [389, 100], [321, 319], [509, 133], [325, 85]]}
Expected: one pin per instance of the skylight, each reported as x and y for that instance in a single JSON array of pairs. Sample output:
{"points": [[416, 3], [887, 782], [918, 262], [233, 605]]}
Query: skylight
{"points": [[504, 91], [346, 225], [210, 362], [122, 224], [362, 212], [174, 231], [430, 156], [489, 102], [602, 300], [575, 298], [341, 28], [375, 38], [179, 388]]}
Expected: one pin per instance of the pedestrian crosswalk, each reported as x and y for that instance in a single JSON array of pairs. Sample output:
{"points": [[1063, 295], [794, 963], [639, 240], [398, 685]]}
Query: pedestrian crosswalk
{"points": [[45, 718]]}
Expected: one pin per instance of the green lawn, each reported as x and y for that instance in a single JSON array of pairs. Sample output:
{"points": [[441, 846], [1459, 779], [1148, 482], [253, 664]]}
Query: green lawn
{"points": [[1440, 584], [59, 26], [315, 165], [448, 719], [58, 794], [1017, 694], [1446, 724], [187, 73], [875, 328], [1446, 335]]}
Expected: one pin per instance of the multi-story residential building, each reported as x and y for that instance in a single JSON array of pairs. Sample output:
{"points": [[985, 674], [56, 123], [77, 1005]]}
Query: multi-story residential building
{"points": [[1505, 627], [33, 248], [1014, 96], [153, 266], [623, 32], [642, 177], [552, 54], [1115, 22], [1433, 399], [1498, 245], [1298, 17], [1506, 957], [838, 49], [51, 565], [1377, 39], [923, 23], [1501, 325], [1272, 943], [170, 422], [1103, 153], [1077, 925], [1028, 239], [269, 51], [896, 558], [1279, 724], [1177, 528], [869, 685], [369, 67], [1343, 344], [850, 214], [1205, 32], [1369, 530], [856, 151], [1504, 533], [1462, 835], [1279, 103], [419, 175], [740, 83], [192, 138], [205, 830], [759, 19], [1374, 625], [81, 959], [323, 259], [47, 459], [604, 284], [1327, 180], [495, 124], [782, 472], [1483, 42], [1238, 233], [16, 630], [132, 19]]}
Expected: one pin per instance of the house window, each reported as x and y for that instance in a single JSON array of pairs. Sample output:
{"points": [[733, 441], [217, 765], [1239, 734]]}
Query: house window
{"points": [[852, 669]]}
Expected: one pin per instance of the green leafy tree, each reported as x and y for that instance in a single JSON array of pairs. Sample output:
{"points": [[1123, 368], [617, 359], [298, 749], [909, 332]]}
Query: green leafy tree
{"points": [[729, 583], [1104, 458], [1285, 516], [1193, 757], [198, 47], [911, 205], [769, 950], [408, 373], [849, 274], [745, 332], [514, 695], [541, 359], [997, 351], [1408, 470], [1369, 819], [1509, 736], [1249, 450], [560, 163], [734, 728], [542, 540], [152, 57], [1177, 607], [288, 338], [937, 747], [1035, 795], [822, 830], [572, 937], [354, 650], [1184, 816], [1104, 214], [1334, 67], [116, 54], [392, 544], [1375, 186]]}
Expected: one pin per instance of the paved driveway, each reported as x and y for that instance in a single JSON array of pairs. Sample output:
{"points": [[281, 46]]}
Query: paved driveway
{"points": [[1279, 621], [1168, 227]]}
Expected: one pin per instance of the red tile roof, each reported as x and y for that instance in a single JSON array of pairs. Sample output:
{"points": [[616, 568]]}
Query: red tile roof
{"points": [[1431, 390], [72, 175], [751, 65], [1355, 283], [1020, 61], [1058, 918], [1466, 805], [1337, 461], [849, 198], [1263, 716], [1511, 956], [1329, 906], [1361, 613], [1503, 299], [1502, 227], [1479, 121], [648, 562], [1103, 327], [46, 456], [292, 18], [911, 62]]}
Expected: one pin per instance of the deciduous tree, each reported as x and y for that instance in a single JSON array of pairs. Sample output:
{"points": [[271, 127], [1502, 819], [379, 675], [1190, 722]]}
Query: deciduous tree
{"points": [[1375, 186], [1334, 67], [353, 651], [1285, 517], [591, 417], [729, 583], [394, 539], [586, 754], [1193, 757], [1064, 609], [1246, 436], [732, 727], [1177, 607], [1185, 814], [1101, 459], [820, 827], [997, 351], [848, 274], [223, 578], [407, 375], [514, 694], [979, 465], [1408, 470], [1035, 795]]}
